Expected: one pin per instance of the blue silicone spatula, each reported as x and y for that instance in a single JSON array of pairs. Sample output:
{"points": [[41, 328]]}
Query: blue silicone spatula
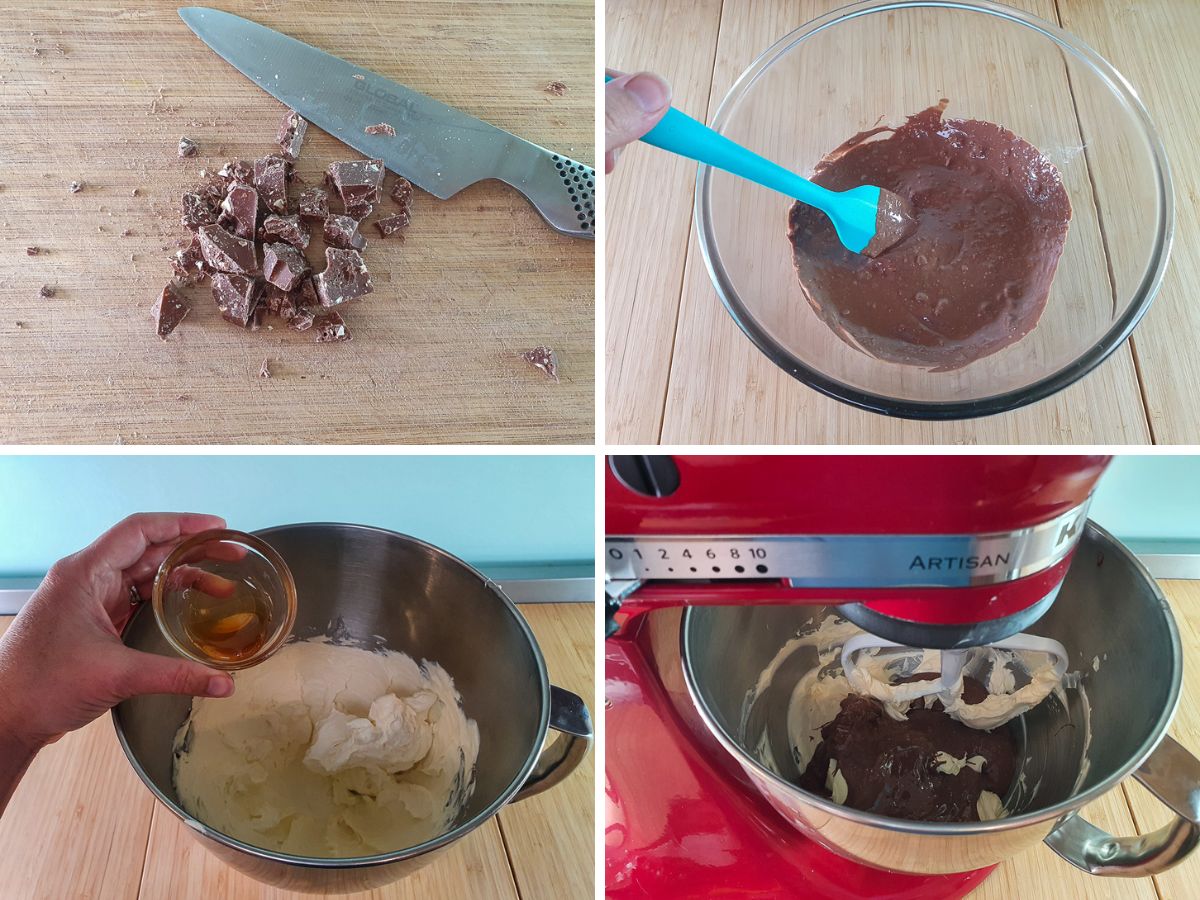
{"points": [[868, 219]]}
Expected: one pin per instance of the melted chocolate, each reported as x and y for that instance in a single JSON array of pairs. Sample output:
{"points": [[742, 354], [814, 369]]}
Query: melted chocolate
{"points": [[973, 276], [891, 768]]}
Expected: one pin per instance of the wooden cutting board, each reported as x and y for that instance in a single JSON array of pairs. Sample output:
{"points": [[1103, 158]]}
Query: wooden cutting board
{"points": [[101, 93]]}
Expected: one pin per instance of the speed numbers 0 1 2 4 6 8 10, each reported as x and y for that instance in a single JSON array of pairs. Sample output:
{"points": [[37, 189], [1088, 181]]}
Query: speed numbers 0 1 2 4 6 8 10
{"points": [[678, 558]]}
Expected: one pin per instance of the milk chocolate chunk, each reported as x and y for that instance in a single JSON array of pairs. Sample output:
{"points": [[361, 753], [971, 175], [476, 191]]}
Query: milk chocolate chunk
{"points": [[270, 178], [306, 294], [358, 183], [197, 212], [381, 128], [169, 311], [288, 229], [402, 193], [188, 263], [237, 296], [314, 203], [291, 135], [345, 277], [284, 265], [240, 209], [303, 319], [331, 329], [391, 224], [187, 147], [342, 232], [238, 170], [276, 302], [557, 88], [227, 252], [47, 291], [544, 359], [973, 277]]}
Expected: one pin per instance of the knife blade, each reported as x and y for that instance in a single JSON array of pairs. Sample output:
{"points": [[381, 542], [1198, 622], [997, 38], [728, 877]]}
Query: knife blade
{"points": [[437, 147]]}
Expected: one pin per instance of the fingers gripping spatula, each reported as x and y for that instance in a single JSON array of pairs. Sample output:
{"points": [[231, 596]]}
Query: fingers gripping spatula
{"points": [[440, 149], [867, 219]]}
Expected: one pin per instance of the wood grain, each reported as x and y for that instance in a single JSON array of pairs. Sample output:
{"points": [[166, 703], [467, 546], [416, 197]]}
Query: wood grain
{"points": [[550, 837], [82, 825], [649, 212], [1153, 44], [102, 93], [721, 389]]}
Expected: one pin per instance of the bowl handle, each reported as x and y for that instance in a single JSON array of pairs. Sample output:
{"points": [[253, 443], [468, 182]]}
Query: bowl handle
{"points": [[1172, 774], [569, 716]]}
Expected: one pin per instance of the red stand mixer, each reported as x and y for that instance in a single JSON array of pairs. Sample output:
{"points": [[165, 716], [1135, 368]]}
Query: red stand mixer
{"points": [[927, 551]]}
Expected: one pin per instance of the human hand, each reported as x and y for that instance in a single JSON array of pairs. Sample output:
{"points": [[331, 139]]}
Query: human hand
{"points": [[633, 104], [62, 662]]}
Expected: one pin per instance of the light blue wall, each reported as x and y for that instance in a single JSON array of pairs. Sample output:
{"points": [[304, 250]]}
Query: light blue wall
{"points": [[485, 509], [1150, 498]]}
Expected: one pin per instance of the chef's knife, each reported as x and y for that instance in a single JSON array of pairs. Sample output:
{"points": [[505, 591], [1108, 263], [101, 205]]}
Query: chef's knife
{"points": [[440, 149]]}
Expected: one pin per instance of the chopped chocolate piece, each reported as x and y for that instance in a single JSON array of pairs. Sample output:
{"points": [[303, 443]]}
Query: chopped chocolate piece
{"points": [[134, 192], [277, 303], [265, 370], [213, 191], [270, 177], [237, 297], [288, 229], [358, 183], [227, 252], [238, 170], [543, 358], [381, 128], [314, 203], [306, 294], [126, 232], [189, 262], [402, 192], [32, 251], [302, 320], [389, 226], [557, 88], [76, 187], [240, 208], [331, 329], [291, 135], [47, 291], [342, 232], [284, 265], [169, 311], [345, 277], [197, 212], [187, 147]]}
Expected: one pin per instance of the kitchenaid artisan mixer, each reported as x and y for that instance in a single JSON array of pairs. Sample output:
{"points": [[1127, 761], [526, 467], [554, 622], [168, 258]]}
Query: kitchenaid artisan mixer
{"points": [[931, 552]]}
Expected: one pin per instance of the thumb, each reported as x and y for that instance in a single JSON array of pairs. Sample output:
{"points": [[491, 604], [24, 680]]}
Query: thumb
{"points": [[633, 104], [149, 673]]}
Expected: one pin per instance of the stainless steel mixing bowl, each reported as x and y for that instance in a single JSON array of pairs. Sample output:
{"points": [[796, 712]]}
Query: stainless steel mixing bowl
{"points": [[1109, 608], [383, 589]]}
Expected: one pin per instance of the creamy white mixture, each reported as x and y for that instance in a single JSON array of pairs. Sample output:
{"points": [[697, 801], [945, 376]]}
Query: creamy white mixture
{"points": [[329, 751]]}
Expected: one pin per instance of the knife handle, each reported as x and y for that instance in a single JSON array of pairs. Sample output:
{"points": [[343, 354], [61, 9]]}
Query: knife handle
{"points": [[561, 189]]}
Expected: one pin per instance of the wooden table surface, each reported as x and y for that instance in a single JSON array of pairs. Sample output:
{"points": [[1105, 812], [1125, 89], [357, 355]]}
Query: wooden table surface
{"points": [[81, 824], [101, 93], [680, 371]]}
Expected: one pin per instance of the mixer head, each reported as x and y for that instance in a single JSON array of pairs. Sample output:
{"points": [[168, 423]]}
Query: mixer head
{"points": [[926, 551]]}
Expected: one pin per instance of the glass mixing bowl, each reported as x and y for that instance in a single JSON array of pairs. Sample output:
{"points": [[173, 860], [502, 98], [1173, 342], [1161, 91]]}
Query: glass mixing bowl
{"points": [[839, 75]]}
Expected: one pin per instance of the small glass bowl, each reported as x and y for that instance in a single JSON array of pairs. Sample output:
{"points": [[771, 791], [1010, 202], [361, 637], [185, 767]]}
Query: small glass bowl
{"points": [[895, 58], [225, 599]]}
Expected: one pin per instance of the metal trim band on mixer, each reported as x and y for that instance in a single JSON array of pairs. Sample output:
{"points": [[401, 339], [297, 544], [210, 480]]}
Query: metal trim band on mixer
{"points": [[848, 560]]}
